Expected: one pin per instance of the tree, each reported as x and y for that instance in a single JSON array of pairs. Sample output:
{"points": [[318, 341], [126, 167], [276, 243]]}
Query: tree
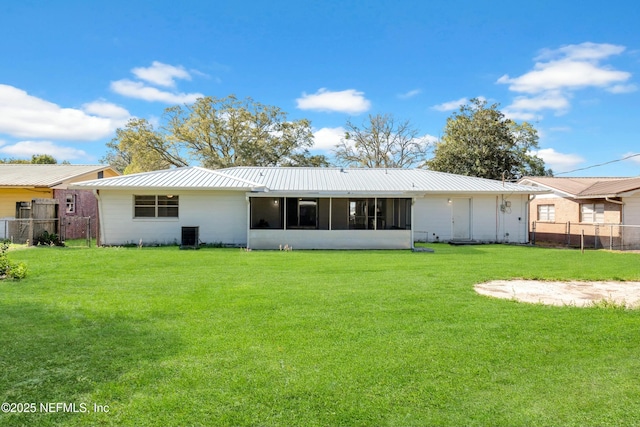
{"points": [[215, 133], [480, 141], [139, 148], [382, 141], [42, 159]]}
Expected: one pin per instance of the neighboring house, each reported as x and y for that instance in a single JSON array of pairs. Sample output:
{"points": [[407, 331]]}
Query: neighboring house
{"points": [[596, 207], [21, 184], [308, 208]]}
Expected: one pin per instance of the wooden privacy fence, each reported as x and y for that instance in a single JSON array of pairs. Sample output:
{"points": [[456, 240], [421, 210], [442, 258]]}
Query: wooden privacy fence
{"points": [[27, 230], [594, 236]]}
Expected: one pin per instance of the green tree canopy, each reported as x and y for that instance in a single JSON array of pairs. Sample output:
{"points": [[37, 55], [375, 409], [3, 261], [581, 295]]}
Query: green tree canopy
{"points": [[382, 141], [43, 159], [215, 133], [480, 141]]}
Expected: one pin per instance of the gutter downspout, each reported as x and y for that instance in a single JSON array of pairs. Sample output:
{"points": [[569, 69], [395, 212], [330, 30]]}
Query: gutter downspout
{"points": [[527, 217], [100, 237], [618, 202], [413, 202], [497, 224], [248, 221]]}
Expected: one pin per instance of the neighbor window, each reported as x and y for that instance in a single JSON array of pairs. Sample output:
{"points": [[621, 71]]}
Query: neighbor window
{"points": [[546, 213], [71, 203], [592, 212], [156, 206]]}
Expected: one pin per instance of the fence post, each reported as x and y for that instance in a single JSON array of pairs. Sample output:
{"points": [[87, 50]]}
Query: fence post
{"points": [[596, 235], [533, 233], [610, 237], [30, 234], [88, 234], [582, 241], [568, 233]]}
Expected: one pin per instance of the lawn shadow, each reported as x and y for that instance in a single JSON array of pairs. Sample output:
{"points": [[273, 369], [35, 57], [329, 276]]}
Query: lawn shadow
{"points": [[51, 355]]}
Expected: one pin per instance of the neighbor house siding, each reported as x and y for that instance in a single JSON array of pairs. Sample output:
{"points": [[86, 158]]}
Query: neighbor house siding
{"points": [[220, 215], [9, 197], [568, 210]]}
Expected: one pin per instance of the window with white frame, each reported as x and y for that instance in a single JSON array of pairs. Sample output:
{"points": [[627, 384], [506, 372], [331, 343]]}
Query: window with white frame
{"points": [[592, 212], [153, 206], [71, 204], [546, 213]]}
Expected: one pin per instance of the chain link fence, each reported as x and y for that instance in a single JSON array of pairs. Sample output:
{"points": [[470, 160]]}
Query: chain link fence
{"points": [[27, 230], [73, 231], [590, 236]]}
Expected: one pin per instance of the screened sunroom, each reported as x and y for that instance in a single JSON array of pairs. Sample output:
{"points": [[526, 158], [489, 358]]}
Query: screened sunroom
{"points": [[330, 222]]}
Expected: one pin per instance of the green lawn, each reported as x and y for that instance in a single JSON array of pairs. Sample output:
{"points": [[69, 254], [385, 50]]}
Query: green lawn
{"points": [[162, 336]]}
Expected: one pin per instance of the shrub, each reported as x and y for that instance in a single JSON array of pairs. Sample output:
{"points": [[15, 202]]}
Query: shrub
{"points": [[8, 269], [49, 239]]}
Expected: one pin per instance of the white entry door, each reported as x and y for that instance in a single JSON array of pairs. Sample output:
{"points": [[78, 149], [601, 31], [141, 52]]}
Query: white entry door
{"points": [[461, 219]]}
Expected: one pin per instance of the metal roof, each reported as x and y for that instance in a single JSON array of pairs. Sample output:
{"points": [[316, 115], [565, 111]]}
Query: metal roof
{"points": [[587, 187], [178, 178], [369, 180], [37, 175], [310, 180]]}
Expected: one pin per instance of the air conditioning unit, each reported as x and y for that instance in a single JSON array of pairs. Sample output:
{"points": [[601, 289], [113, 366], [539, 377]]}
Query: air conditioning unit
{"points": [[190, 238]]}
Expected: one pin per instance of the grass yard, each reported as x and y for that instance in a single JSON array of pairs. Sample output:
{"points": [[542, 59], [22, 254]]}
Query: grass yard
{"points": [[159, 336]]}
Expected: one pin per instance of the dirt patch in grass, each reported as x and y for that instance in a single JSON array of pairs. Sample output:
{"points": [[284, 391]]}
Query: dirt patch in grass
{"points": [[574, 293]]}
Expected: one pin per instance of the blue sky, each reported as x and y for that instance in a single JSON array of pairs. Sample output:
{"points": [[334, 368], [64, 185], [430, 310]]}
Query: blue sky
{"points": [[74, 71]]}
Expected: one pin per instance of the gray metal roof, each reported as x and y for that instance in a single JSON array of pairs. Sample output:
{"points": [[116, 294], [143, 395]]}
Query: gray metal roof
{"points": [[311, 180], [179, 178], [37, 175], [366, 180]]}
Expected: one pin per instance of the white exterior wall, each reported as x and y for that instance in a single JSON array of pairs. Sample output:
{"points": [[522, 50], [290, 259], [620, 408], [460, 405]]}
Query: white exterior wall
{"points": [[221, 216], [330, 239], [432, 219], [631, 208], [489, 223]]}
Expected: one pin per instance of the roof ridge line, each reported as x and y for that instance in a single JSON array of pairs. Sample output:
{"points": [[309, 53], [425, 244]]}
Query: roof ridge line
{"points": [[246, 181]]}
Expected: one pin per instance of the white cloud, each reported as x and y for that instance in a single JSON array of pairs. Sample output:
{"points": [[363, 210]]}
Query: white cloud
{"points": [[26, 116], [451, 105], [565, 74], [161, 74], [139, 90], [584, 51], [158, 74], [548, 100], [559, 161], [623, 88], [26, 149], [634, 159], [409, 94], [102, 108], [347, 101], [327, 138], [521, 115], [561, 72]]}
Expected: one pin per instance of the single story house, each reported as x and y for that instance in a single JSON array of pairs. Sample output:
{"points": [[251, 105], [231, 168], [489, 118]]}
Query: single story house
{"points": [[308, 208], [601, 208], [21, 184]]}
